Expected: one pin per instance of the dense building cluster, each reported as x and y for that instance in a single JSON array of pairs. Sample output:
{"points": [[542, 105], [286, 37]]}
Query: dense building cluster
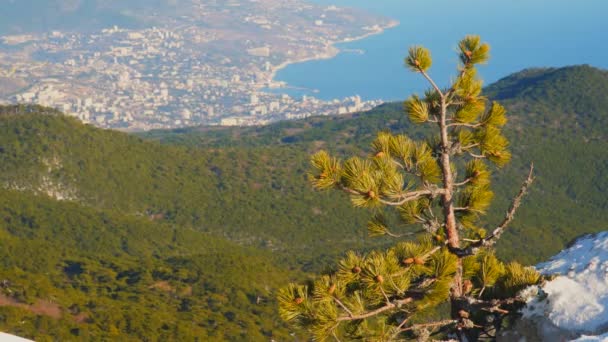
{"points": [[184, 74]]}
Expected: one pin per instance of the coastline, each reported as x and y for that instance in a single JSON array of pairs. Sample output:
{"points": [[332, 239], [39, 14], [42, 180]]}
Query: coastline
{"points": [[330, 52]]}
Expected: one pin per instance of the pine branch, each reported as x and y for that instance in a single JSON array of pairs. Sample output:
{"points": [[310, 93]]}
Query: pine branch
{"points": [[424, 257], [388, 306], [492, 239], [404, 198], [412, 196]]}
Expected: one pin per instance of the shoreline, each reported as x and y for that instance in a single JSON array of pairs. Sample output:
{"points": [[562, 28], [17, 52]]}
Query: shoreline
{"points": [[331, 51]]}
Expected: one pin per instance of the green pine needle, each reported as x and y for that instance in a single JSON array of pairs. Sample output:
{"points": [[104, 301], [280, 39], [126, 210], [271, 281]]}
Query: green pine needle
{"points": [[470, 111], [517, 278], [496, 116], [418, 59], [472, 51], [490, 270], [377, 226], [327, 171], [417, 110]]}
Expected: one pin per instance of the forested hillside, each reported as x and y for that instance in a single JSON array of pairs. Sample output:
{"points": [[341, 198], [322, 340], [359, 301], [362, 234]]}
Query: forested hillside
{"points": [[175, 234], [76, 273], [558, 120]]}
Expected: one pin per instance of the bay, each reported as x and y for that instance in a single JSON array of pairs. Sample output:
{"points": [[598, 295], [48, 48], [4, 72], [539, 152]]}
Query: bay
{"points": [[522, 34]]}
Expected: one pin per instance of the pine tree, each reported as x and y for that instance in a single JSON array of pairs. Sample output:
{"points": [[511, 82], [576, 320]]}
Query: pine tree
{"points": [[443, 186]]}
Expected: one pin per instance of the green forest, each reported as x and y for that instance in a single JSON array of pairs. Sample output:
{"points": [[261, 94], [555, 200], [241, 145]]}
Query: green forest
{"points": [[187, 234]]}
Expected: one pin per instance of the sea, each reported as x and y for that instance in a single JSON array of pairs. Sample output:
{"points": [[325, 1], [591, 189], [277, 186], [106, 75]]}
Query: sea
{"points": [[522, 34]]}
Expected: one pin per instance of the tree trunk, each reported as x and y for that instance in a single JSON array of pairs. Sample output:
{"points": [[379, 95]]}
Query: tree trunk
{"points": [[447, 198]]}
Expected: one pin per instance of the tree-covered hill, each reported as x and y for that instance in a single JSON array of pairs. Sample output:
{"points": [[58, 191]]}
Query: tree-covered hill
{"points": [[558, 120], [70, 272], [254, 196]]}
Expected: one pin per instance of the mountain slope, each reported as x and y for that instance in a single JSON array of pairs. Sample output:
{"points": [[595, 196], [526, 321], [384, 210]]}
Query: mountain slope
{"points": [[73, 272], [253, 196], [558, 119]]}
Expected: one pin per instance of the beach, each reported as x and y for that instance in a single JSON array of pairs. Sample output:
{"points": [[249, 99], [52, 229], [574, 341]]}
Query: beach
{"points": [[331, 51]]}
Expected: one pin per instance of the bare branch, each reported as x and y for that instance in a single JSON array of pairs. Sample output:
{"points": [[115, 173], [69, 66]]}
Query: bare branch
{"points": [[389, 306], [397, 236], [388, 301], [496, 309], [464, 182], [494, 302], [492, 239], [462, 124], [469, 146], [453, 88], [405, 320], [431, 325], [478, 156], [350, 313], [435, 86]]}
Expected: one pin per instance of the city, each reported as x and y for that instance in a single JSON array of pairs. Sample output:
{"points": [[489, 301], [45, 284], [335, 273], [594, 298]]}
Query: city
{"points": [[190, 70]]}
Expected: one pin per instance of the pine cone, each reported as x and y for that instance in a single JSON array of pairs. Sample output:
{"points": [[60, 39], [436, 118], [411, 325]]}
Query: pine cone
{"points": [[408, 261]]}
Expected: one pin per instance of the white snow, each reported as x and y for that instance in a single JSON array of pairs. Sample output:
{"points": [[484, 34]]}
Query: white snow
{"points": [[598, 338], [12, 338], [577, 298]]}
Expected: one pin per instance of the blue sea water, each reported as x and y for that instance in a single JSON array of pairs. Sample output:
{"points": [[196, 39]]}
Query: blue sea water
{"points": [[522, 34]]}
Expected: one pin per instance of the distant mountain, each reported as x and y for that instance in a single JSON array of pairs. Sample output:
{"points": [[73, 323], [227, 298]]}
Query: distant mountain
{"points": [[24, 16], [575, 95], [199, 225]]}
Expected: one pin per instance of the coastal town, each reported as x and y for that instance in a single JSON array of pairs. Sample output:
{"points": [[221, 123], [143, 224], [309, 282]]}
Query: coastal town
{"points": [[212, 63]]}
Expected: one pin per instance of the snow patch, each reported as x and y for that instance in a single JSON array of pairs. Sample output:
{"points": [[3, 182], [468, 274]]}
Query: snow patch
{"points": [[598, 338], [577, 298], [12, 338]]}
